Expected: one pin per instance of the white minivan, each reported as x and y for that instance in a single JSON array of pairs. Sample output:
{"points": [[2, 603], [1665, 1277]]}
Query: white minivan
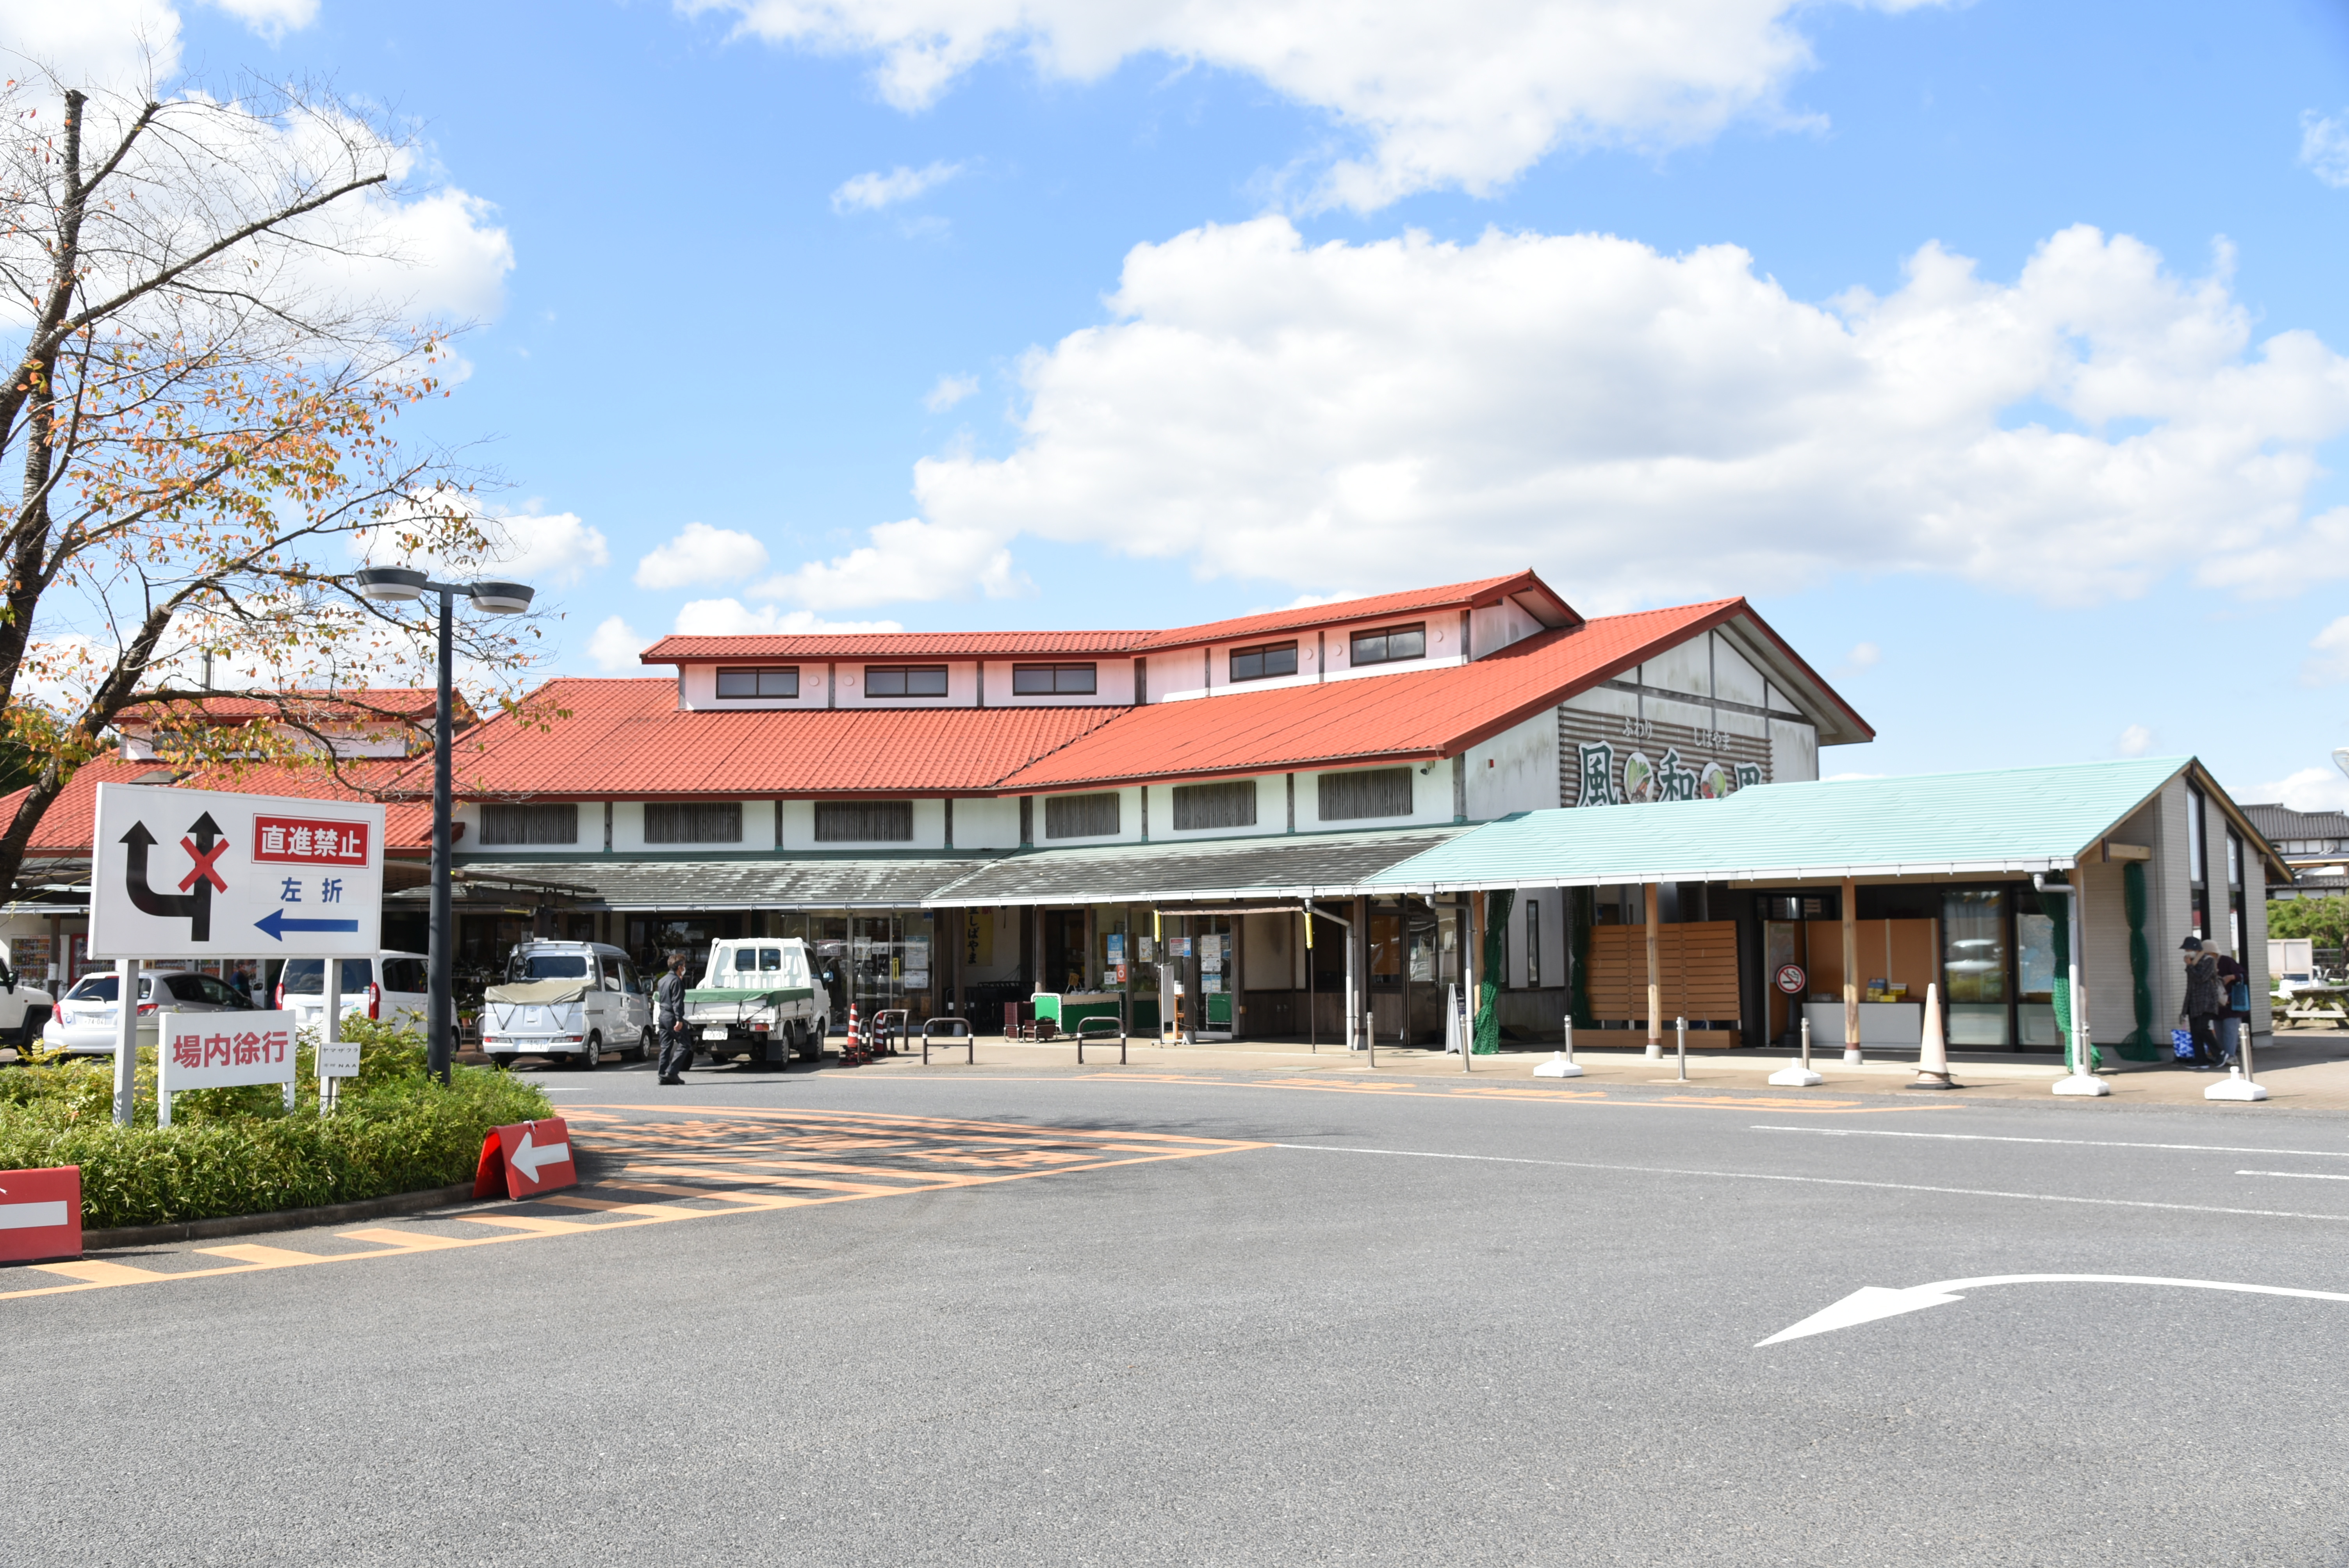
{"points": [[570, 1000], [391, 987]]}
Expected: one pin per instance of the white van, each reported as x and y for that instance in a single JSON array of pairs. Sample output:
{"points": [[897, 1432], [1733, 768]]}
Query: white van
{"points": [[390, 988], [570, 1000]]}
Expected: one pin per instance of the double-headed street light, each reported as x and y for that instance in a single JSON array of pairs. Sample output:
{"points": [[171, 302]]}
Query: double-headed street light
{"points": [[403, 585]]}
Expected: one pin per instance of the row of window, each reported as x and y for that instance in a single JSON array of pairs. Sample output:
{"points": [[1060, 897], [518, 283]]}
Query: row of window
{"points": [[1343, 798], [1262, 661]]}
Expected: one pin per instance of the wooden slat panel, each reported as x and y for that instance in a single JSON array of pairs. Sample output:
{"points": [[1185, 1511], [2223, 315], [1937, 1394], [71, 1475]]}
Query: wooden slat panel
{"points": [[1696, 964]]}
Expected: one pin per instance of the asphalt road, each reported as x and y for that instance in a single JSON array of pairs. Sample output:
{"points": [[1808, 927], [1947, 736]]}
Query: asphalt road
{"points": [[1330, 1347]]}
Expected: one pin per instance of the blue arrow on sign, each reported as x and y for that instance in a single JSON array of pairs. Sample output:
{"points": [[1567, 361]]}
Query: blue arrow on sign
{"points": [[277, 924]]}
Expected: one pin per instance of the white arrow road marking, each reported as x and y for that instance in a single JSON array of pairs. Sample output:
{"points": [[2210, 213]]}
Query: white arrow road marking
{"points": [[1871, 1302], [2072, 1142], [530, 1160], [32, 1216]]}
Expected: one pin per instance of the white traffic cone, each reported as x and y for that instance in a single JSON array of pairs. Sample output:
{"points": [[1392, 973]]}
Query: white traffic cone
{"points": [[1933, 1051], [1561, 1064], [1798, 1074]]}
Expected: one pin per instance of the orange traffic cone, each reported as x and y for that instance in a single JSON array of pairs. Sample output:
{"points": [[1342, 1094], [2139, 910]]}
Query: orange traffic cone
{"points": [[851, 1053]]}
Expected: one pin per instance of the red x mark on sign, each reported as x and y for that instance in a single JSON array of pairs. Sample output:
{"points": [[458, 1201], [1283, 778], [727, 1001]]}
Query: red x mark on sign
{"points": [[204, 870]]}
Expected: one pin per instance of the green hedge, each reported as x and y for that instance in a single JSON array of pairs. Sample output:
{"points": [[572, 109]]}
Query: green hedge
{"points": [[239, 1152]]}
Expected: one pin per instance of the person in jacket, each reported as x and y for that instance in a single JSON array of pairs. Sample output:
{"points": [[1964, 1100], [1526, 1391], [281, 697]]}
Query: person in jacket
{"points": [[2206, 1001], [668, 999], [2234, 984]]}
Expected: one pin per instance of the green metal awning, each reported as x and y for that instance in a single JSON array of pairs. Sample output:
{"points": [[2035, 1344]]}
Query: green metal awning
{"points": [[2009, 822]]}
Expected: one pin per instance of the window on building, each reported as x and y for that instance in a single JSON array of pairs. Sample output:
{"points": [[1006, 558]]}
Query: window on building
{"points": [[864, 822], [1377, 792], [1229, 805], [1263, 661], [1389, 643], [551, 824], [1533, 944], [1079, 816], [782, 682], [904, 680], [2198, 864], [2235, 914], [1052, 680], [693, 822]]}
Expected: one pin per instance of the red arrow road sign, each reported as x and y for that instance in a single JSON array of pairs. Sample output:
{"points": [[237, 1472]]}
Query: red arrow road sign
{"points": [[530, 1158], [40, 1214]]}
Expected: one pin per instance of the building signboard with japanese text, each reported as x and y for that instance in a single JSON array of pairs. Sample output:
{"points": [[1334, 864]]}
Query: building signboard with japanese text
{"points": [[198, 873]]}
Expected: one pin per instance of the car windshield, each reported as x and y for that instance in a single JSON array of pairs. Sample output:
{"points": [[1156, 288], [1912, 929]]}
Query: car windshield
{"points": [[307, 976], [102, 988], [548, 966]]}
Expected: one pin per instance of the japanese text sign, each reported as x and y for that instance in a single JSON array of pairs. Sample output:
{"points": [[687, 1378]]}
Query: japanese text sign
{"points": [[40, 1214], [338, 1059], [206, 873], [216, 1050]]}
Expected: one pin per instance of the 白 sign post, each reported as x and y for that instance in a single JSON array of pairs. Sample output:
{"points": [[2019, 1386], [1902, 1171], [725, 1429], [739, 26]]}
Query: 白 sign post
{"points": [[207, 874], [218, 1050]]}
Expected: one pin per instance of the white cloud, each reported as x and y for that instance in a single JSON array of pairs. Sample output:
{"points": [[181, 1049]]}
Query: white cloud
{"points": [[1863, 656], [2310, 789], [2329, 664], [1466, 95], [546, 550], [949, 391], [272, 19], [871, 193], [2135, 741], [1646, 428], [2324, 147], [700, 554], [113, 42], [729, 617], [615, 644], [909, 560]]}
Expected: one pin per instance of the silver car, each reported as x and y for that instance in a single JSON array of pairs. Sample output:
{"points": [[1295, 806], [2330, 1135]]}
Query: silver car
{"points": [[84, 1022]]}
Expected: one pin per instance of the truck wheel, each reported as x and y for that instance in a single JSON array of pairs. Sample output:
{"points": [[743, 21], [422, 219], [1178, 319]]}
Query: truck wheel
{"points": [[643, 1049], [810, 1044], [593, 1056]]}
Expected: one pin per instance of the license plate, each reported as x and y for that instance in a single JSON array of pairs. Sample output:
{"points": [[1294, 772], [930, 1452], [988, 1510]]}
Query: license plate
{"points": [[713, 1033]]}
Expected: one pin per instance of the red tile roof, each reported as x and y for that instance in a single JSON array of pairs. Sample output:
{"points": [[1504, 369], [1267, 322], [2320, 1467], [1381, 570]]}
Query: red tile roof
{"points": [[893, 646], [365, 705], [1398, 718], [628, 738], [65, 828], [1470, 595], [1056, 644]]}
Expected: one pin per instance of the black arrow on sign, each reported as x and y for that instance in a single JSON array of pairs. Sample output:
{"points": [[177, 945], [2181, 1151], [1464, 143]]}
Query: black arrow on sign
{"points": [[196, 907]]}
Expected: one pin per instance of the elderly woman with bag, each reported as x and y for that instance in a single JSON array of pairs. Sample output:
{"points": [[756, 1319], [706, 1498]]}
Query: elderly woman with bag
{"points": [[2206, 1001]]}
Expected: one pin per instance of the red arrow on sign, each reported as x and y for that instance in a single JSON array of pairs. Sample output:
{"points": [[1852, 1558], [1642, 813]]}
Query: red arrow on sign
{"points": [[529, 1158], [40, 1214]]}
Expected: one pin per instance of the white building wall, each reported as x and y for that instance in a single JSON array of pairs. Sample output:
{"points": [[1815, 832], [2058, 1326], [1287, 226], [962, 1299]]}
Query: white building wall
{"points": [[1516, 770], [984, 824], [628, 828], [1431, 800], [962, 686], [1495, 626], [1794, 751], [929, 829], [1733, 678], [696, 687]]}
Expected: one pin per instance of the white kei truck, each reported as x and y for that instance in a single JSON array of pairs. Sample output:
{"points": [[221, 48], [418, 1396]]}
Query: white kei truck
{"points": [[758, 998], [571, 1001]]}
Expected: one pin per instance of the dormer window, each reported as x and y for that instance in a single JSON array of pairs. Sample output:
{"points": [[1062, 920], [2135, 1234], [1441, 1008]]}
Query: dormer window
{"points": [[1263, 661], [904, 680], [1052, 680], [758, 683], [1389, 643]]}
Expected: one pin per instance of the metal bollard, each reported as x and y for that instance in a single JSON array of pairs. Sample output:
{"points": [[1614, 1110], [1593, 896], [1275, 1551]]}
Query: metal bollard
{"points": [[1569, 1037], [1806, 1044], [1680, 1030], [1371, 1038]]}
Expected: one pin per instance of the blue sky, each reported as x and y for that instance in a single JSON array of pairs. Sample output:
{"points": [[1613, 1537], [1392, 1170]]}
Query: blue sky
{"points": [[1124, 315]]}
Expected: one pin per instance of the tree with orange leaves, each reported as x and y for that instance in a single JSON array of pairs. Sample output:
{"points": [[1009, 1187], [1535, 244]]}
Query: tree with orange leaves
{"points": [[201, 413]]}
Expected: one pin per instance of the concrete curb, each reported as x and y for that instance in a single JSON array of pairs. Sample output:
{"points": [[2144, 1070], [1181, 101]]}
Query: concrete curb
{"points": [[277, 1220]]}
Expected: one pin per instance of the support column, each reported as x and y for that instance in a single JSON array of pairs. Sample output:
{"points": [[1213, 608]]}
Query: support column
{"points": [[1655, 974], [1357, 966], [1850, 972]]}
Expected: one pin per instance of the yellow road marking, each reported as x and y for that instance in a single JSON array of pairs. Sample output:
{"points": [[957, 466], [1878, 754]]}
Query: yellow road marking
{"points": [[95, 1271], [531, 1222], [406, 1240], [254, 1253]]}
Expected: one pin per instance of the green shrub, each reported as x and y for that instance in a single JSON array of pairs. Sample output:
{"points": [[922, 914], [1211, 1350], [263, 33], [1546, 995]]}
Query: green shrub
{"points": [[239, 1152]]}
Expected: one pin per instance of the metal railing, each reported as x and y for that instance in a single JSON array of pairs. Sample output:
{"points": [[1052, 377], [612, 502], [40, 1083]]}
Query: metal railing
{"points": [[882, 1035], [1106, 1025], [947, 1034]]}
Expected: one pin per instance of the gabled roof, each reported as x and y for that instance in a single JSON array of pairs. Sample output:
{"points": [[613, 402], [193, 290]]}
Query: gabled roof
{"points": [[1544, 605], [628, 738], [2278, 821], [2011, 820], [65, 828], [1388, 718], [687, 650]]}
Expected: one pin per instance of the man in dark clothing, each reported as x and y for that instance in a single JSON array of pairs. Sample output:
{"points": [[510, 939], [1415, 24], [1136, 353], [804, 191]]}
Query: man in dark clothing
{"points": [[2206, 1000], [2234, 984], [669, 997]]}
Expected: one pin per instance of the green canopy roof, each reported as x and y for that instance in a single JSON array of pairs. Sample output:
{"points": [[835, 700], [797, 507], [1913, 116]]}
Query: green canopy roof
{"points": [[2011, 820]]}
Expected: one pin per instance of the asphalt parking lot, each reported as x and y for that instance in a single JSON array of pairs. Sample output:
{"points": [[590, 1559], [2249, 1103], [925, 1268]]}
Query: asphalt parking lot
{"points": [[1030, 1316]]}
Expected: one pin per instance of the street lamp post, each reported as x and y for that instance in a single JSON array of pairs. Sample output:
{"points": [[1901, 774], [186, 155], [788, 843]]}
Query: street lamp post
{"points": [[403, 585]]}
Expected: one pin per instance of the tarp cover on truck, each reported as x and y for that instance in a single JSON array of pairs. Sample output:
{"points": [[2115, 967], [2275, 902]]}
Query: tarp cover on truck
{"points": [[539, 993]]}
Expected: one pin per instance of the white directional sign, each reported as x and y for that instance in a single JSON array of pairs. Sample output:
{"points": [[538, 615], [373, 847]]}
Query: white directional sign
{"points": [[532, 1158], [189, 873]]}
